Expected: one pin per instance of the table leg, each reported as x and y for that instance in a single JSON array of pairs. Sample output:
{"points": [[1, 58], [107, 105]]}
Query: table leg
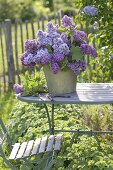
{"points": [[52, 119], [48, 116]]}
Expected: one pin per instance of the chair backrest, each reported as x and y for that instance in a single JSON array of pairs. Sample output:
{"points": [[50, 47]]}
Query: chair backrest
{"points": [[3, 133]]}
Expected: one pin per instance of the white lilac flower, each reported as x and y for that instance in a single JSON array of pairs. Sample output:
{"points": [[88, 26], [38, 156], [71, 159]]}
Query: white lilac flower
{"points": [[95, 25], [91, 10], [111, 57]]}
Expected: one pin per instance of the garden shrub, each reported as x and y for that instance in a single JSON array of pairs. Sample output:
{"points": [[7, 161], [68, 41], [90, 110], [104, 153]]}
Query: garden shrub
{"points": [[29, 121]]}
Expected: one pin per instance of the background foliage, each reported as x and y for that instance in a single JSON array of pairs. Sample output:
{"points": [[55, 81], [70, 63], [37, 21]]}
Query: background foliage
{"points": [[102, 35]]}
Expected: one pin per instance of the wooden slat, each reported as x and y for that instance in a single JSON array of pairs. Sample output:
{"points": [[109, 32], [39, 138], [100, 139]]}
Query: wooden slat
{"points": [[26, 25], [16, 50], [14, 151], [36, 146], [29, 148], [9, 52], [32, 28], [38, 23], [58, 141], [2, 55], [21, 150], [43, 23], [50, 143], [43, 144], [21, 36]]}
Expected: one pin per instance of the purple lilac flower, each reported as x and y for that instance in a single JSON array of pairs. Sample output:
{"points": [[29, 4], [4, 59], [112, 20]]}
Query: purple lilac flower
{"points": [[42, 38], [62, 49], [90, 10], [56, 57], [18, 88], [53, 35], [67, 21], [55, 68], [30, 46], [51, 27], [95, 25], [42, 57], [79, 35], [83, 42], [89, 50], [77, 67], [57, 42], [40, 34], [64, 37], [52, 31], [27, 59]]}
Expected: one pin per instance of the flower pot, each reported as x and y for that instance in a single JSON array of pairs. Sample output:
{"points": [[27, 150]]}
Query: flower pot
{"points": [[61, 83]]}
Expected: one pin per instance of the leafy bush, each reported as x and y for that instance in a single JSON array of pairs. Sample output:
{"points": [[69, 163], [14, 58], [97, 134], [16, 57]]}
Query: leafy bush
{"points": [[29, 121], [7, 10], [33, 82], [103, 71]]}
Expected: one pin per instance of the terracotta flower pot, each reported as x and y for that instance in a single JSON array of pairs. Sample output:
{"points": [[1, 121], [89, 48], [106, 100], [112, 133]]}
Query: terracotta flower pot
{"points": [[61, 83]]}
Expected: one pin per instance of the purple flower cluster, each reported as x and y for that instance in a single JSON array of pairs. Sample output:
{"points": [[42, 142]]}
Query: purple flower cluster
{"points": [[91, 10], [67, 21], [42, 57], [54, 46], [88, 50], [56, 57], [30, 46], [77, 67], [79, 35], [27, 59], [55, 67], [18, 88]]}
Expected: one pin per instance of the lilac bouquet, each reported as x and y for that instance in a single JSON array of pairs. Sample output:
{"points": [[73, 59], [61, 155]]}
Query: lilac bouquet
{"points": [[61, 47]]}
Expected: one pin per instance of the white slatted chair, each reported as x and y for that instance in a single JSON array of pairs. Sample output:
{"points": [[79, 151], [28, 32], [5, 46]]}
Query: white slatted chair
{"points": [[44, 149]]}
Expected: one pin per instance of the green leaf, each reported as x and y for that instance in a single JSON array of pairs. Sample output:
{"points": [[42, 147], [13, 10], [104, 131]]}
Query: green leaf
{"points": [[62, 29], [76, 53]]}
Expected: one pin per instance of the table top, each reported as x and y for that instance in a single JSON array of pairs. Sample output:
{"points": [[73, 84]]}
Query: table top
{"points": [[86, 93]]}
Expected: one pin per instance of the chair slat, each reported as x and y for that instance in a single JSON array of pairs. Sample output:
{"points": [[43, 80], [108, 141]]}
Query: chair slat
{"points": [[14, 151], [36, 146], [21, 150], [43, 144], [50, 143], [29, 148], [58, 141]]}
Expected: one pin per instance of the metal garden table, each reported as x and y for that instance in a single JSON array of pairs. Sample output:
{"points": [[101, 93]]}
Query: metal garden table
{"points": [[86, 93]]}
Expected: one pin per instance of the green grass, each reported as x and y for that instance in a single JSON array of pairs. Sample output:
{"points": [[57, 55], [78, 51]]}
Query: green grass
{"points": [[6, 105]]}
